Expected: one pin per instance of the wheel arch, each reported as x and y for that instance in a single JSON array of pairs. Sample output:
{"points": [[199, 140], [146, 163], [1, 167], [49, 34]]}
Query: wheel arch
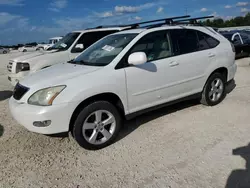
{"points": [[108, 96], [221, 70]]}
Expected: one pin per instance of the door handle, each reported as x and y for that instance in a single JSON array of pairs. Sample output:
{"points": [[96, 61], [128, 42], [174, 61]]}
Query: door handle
{"points": [[173, 64], [211, 55]]}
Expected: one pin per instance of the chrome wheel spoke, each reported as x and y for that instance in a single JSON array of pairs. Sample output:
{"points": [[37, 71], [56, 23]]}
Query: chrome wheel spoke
{"points": [[98, 116], [217, 84], [214, 96], [92, 138], [108, 121], [89, 126], [211, 93], [107, 135]]}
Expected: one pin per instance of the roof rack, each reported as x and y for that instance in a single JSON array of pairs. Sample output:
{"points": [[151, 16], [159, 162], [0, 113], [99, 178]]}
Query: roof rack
{"points": [[192, 20], [166, 20], [136, 25]]}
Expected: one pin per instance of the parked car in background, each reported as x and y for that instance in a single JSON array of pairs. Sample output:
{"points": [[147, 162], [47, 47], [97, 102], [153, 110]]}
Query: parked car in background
{"points": [[66, 49], [121, 76], [241, 41], [27, 48], [52, 41], [4, 50]]}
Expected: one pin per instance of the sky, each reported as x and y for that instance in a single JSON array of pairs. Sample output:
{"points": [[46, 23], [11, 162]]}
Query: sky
{"points": [[23, 21]]}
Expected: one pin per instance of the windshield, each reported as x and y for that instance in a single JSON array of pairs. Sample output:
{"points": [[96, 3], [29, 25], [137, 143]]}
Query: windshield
{"points": [[103, 52], [65, 42]]}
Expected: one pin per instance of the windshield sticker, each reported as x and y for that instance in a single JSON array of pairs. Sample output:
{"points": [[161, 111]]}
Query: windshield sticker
{"points": [[63, 45], [108, 48]]}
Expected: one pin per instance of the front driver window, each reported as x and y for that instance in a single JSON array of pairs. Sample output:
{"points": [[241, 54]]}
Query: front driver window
{"points": [[155, 45]]}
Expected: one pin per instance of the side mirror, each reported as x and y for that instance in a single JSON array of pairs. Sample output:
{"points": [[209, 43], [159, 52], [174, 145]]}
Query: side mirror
{"points": [[80, 46], [137, 58]]}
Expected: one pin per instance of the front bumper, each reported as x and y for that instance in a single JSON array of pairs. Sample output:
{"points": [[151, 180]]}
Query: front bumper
{"points": [[59, 115]]}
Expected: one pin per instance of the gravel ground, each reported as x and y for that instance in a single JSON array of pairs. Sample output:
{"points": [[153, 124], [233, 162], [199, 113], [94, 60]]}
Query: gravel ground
{"points": [[186, 145]]}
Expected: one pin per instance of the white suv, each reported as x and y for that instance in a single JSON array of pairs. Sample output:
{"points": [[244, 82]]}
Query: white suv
{"points": [[66, 49], [121, 76]]}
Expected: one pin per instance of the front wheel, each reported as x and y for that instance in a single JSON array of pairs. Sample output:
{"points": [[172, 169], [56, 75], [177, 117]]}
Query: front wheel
{"points": [[214, 91], [97, 125], [4, 52]]}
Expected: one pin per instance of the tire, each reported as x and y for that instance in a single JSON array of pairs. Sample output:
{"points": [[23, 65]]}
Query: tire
{"points": [[93, 138], [4, 52], [212, 97], [24, 50]]}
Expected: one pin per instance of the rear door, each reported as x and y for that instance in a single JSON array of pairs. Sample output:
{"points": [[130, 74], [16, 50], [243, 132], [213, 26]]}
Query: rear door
{"points": [[193, 54]]}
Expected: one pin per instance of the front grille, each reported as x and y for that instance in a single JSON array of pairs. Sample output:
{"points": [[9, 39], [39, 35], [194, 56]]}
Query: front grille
{"points": [[9, 66], [19, 91]]}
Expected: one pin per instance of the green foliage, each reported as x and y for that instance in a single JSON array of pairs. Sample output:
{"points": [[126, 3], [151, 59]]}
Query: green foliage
{"points": [[237, 21]]}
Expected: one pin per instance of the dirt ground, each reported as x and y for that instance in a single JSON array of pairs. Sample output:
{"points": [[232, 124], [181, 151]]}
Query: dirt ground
{"points": [[186, 145]]}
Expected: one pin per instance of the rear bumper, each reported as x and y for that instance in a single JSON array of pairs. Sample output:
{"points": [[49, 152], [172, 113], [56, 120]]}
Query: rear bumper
{"points": [[231, 72]]}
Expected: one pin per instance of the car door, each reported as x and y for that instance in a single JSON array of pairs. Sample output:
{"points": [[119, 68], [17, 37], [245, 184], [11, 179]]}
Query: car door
{"points": [[151, 83], [193, 57]]}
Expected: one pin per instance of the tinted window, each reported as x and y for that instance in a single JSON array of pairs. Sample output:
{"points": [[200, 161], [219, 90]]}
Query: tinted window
{"points": [[203, 45], [155, 45], [206, 41], [184, 41], [89, 38], [212, 42]]}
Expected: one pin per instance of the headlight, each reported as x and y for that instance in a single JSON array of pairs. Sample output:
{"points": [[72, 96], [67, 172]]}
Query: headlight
{"points": [[45, 97], [22, 67]]}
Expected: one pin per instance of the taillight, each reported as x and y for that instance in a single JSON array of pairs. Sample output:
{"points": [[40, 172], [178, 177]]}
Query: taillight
{"points": [[233, 48]]}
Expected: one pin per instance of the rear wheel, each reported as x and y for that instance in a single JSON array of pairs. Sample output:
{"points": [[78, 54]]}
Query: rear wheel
{"points": [[97, 125], [4, 52], [214, 90]]}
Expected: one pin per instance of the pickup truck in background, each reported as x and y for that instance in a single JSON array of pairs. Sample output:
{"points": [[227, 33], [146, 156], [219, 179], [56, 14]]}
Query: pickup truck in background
{"points": [[52, 41], [241, 42]]}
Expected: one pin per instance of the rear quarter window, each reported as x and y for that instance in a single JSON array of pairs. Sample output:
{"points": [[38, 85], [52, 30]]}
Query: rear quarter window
{"points": [[211, 41]]}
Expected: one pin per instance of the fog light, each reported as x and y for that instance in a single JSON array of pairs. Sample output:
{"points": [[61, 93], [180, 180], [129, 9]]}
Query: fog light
{"points": [[42, 123]]}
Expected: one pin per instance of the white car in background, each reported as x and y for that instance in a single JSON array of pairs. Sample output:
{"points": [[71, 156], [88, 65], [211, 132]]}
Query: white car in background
{"points": [[27, 48], [4, 50], [52, 41], [124, 75], [66, 49]]}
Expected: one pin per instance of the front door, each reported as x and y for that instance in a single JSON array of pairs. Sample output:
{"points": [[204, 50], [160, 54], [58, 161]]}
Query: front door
{"points": [[150, 84]]}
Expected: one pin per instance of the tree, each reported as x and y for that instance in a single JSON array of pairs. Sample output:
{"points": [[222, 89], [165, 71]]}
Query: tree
{"points": [[237, 21]]}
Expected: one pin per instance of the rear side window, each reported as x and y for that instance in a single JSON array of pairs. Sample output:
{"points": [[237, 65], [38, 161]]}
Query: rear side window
{"points": [[203, 44], [184, 41], [206, 41]]}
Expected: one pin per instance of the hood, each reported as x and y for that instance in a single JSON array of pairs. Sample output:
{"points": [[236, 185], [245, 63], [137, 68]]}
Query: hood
{"points": [[57, 74], [31, 55]]}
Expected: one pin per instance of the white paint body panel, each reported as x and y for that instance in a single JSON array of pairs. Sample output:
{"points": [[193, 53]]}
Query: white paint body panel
{"points": [[138, 87]]}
